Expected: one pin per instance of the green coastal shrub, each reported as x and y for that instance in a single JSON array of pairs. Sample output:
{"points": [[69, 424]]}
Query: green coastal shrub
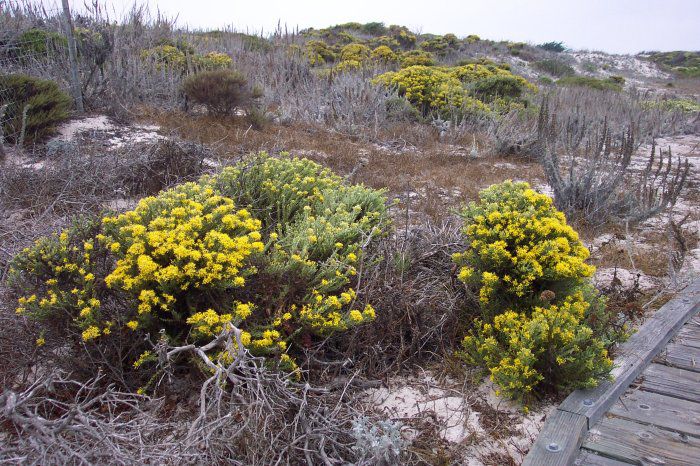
{"points": [[220, 91], [269, 245], [673, 105], [472, 39], [37, 41], [556, 47], [319, 53], [530, 270], [555, 67], [46, 104]]}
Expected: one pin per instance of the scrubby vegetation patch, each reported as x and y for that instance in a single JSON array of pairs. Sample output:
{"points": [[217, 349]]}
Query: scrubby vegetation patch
{"points": [[271, 246]]}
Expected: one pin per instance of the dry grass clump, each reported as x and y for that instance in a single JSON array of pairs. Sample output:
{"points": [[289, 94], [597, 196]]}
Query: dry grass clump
{"points": [[423, 307]]}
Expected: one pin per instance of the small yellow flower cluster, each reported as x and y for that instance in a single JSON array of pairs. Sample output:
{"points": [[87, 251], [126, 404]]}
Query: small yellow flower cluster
{"points": [[208, 323], [63, 265], [212, 61]]}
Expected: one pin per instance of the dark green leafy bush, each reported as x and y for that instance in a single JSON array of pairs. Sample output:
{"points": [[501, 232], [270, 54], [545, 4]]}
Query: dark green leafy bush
{"points": [[46, 105], [507, 87], [220, 91], [556, 47]]}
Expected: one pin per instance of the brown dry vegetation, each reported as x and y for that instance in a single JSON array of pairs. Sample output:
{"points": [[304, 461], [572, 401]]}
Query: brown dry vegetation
{"points": [[406, 159]]}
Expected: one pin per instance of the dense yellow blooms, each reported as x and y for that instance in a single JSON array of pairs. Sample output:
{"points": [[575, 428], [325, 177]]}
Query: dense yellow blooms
{"points": [[430, 88], [519, 351], [190, 261], [522, 255], [519, 245], [442, 89], [183, 240]]}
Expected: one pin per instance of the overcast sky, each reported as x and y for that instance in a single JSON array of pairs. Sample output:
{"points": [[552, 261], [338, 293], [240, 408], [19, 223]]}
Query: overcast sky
{"points": [[621, 26]]}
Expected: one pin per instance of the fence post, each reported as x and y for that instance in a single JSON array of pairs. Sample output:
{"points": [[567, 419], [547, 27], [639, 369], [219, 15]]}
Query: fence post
{"points": [[73, 55]]}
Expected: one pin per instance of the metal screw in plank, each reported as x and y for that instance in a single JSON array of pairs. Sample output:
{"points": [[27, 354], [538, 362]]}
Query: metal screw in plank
{"points": [[553, 447]]}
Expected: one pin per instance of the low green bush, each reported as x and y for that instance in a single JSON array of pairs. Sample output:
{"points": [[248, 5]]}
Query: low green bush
{"points": [[220, 91], [555, 67], [673, 105], [529, 268], [37, 41], [46, 104], [269, 245]]}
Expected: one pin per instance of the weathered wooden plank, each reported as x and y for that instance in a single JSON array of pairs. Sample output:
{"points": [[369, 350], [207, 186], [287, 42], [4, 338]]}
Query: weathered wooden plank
{"points": [[635, 354], [671, 381], [689, 335], [659, 410], [559, 440], [589, 458], [684, 357], [642, 444]]}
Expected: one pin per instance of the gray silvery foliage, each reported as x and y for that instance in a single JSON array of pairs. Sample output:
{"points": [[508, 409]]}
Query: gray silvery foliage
{"points": [[57, 148], [377, 443]]}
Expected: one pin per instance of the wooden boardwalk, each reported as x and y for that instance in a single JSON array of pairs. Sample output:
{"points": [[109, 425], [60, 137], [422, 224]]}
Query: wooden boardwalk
{"points": [[650, 413], [657, 420]]}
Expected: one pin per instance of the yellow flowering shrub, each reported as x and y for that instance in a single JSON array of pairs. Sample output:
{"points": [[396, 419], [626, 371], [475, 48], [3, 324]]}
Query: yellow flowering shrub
{"points": [[176, 250], [355, 52], [319, 53], [165, 56], [430, 89], [278, 262], [519, 246], [529, 268], [550, 349], [445, 89], [315, 224], [384, 54]]}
